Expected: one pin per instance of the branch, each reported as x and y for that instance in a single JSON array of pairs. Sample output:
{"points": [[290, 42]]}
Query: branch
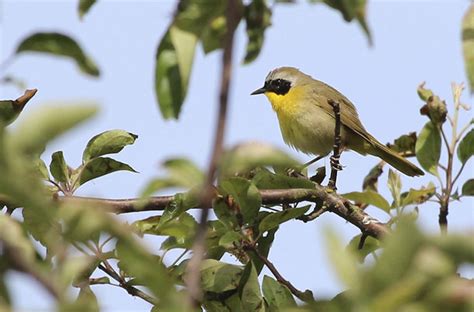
{"points": [[333, 202], [193, 274], [335, 166], [22, 100], [306, 296]]}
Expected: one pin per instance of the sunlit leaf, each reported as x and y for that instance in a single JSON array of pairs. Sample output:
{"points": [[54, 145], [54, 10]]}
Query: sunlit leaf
{"points": [[108, 142], [43, 125], [84, 7], [468, 188], [101, 166], [468, 44], [245, 157], [428, 148], [265, 179], [395, 186], [370, 198], [60, 45], [275, 219], [174, 59], [276, 295], [58, 167], [415, 196], [466, 147]]}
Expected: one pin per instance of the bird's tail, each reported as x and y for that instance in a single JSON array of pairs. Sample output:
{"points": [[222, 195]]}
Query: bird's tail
{"points": [[394, 159]]}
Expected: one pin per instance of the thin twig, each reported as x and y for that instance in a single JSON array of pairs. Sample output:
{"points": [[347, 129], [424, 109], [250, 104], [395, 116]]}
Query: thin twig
{"points": [[192, 277], [335, 166], [107, 268], [306, 296]]}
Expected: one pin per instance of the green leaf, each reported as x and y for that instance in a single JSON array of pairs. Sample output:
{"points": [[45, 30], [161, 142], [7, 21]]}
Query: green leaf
{"points": [[468, 44], [42, 169], [230, 239], [468, 188], [212, 37], [350, 10], [372, 178], [183, 172], [276, 295], [423, 93], [12, 234], [405, 143], [245, 157], [43, 125], [395, 186], [245, 195], [58, 167], [174, 60], [60, 45], [428, 148], [466, 147], [108, 142], [370, 198], [101, 166], [265, 179], [370, 245], [264, 243], [275, 219], [225, 214], [418, 196], [257, 18], [218, 276], [251, 295], [84, 7]]}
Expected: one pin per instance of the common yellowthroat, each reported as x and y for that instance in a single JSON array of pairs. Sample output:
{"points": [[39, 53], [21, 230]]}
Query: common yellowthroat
{"points": [[307, 120]]}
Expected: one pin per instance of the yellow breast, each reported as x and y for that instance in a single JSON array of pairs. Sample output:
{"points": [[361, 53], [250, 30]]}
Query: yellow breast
{"points": [[303, 124]]}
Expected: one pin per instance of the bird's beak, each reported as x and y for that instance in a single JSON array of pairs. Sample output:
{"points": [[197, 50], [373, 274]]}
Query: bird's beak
{"points": [[259, 91]]}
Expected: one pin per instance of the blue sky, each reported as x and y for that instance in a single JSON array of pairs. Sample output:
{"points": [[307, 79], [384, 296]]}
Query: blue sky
{"points": [[414, 41]]}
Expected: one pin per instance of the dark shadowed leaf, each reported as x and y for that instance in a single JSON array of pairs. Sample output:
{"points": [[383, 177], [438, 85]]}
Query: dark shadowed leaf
{"points": [[251, 295], [58, 167], [218, 276], [60, 45], [275, 219], [428, 148], [468, 44], [257, 18], [101, 166], [174, 59], [370, 198], [108, 142], [212, 37], [245, 157], [466, 147], [84, 7], [276, 295], [370, 245], [371, 180], [468, 188], [405, 144], [350, 10], [245, 195]]}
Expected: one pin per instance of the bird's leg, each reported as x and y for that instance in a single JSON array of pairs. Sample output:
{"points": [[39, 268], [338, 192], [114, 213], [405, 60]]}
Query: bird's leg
{"points": [[296, 172], [335, 165]]}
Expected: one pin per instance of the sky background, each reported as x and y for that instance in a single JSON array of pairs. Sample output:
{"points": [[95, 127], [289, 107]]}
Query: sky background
{"points": [[414, 41]]}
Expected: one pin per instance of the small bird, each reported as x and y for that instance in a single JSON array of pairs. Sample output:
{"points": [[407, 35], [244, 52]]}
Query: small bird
{"points": [[307, 120]]}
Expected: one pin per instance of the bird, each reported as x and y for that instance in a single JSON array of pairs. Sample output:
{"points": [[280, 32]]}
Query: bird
{"points": [[307, 120]]}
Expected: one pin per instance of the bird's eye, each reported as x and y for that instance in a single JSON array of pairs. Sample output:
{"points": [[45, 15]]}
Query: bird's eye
{"points": [[279, 86]]}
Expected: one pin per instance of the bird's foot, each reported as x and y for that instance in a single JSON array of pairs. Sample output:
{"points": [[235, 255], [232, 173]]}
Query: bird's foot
{"points": [[335, 164]]}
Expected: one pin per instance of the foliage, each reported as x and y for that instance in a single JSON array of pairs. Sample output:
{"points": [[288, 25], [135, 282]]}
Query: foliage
{"points": [[62, 240]]}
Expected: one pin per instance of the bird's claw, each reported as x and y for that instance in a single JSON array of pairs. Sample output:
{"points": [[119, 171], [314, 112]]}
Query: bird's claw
{"points": [[335, 163]]}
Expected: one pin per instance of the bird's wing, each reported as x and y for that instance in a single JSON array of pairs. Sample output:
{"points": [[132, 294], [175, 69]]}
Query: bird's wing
{"points": [[350, 119]]}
